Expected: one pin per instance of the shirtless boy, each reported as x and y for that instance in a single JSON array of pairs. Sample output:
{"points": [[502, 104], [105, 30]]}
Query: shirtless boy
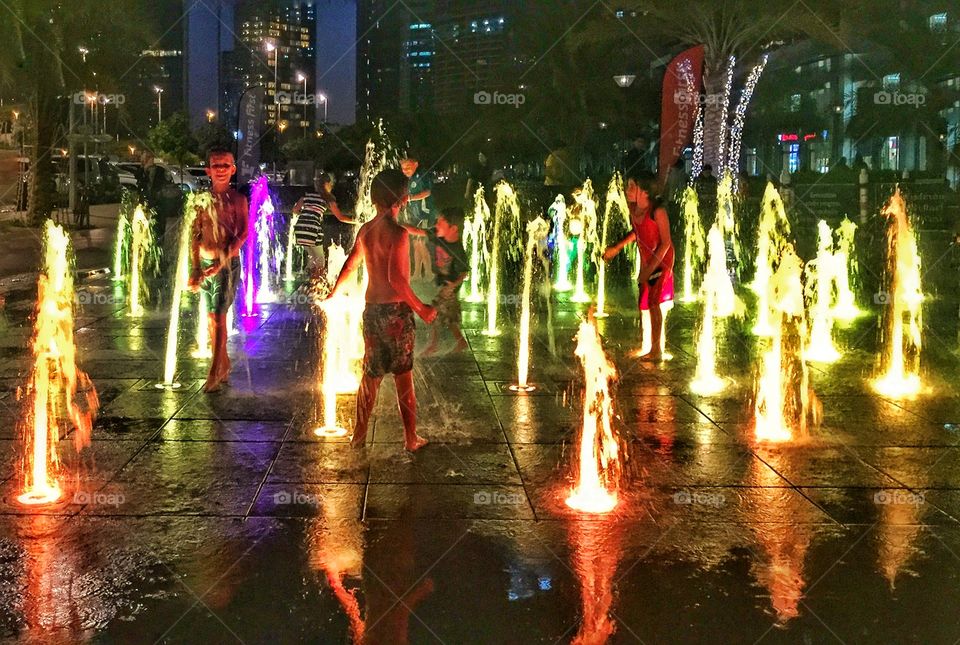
{"points": [[217, 236], [388, 323]]}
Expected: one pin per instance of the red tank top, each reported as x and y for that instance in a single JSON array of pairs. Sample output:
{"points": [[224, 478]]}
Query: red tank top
{"points": [[648, 239]]}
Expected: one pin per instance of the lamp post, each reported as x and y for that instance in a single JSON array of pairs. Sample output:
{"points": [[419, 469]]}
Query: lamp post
{"points": [[159, 91], [270, 46], [323, 99], [303, 79]]}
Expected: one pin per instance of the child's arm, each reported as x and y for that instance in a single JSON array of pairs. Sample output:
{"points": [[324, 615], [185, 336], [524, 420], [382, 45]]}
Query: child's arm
{"points": [[335, 209], [399, 279], [414, 230], [612, 251]]}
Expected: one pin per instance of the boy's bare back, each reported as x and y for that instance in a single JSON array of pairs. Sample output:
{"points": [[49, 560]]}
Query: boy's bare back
{"points": [[386, 250]]}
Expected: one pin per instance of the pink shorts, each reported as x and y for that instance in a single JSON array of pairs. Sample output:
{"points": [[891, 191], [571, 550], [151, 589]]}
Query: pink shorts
{"points": [[665, 285]]}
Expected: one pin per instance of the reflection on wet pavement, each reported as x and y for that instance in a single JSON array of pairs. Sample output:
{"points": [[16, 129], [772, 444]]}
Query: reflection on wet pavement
{"points": [[224, 519]]}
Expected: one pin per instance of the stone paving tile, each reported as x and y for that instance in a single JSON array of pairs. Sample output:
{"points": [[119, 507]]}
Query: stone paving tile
{"points": [[432, 501], [201, 462], [917, 468], [825, 466], [222, 430], [443, 464], [319, 463], [886, 506]]}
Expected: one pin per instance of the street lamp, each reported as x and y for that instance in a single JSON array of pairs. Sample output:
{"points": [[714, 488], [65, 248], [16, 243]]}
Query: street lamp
{"points": [[159, 91], [83, 52], [211, 115], [323, 99], [303, 79], [624, 80], [283, 126], [16, 115], [133, 150]]}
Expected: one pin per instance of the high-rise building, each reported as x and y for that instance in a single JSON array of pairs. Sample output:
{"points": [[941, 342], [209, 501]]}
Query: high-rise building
{"points": [[433, 55], [275, 47]]}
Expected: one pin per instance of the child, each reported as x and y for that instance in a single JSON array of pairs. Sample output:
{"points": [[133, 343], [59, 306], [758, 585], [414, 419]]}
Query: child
{"points": [[450, 266], [215, 253], [388, 324], [651, 232], [419, 211]]}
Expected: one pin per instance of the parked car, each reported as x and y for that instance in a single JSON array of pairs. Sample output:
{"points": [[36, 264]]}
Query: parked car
{"points": [[127, 178], [184, 179], [199, 175]]}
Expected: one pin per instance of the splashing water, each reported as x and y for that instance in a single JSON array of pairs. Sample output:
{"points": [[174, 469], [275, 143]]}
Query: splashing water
{"points": [[198, 201], [695, 245], [291, 247], [726, 219], [379, 154], [345, 326], [203, 348], [333, 349], [616, 202], [475, 236], [821, 273], [121, 245], [585, 210], [260, 286], [558, 213], [784, 401], [144, 259], [598, 467], [55, 385], [772, 233], [719, 301], [537, 230], [845, 308], [506, 225], [900, 360]]}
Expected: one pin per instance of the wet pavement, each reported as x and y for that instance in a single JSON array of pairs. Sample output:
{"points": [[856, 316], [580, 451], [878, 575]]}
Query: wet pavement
{"points": [[222, 518]]}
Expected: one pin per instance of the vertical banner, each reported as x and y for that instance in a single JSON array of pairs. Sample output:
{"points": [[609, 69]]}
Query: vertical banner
{"points": [[681, 97], [248, 135]]}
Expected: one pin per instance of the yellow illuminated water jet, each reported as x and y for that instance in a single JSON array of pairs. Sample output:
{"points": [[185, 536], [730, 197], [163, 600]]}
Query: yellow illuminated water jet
{"points": [[558, 213], [903, 298], [772, 234], [537, 231], [695, 244], [588, 242], [821, 274], [615, 208], [475, 237], [506, 224]]}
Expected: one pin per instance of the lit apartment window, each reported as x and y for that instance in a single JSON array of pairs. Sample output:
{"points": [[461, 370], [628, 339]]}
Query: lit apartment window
{"points": [[891, 81], [795, 103]]}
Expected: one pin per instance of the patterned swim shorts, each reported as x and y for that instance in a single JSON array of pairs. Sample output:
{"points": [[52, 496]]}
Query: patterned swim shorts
{"points": [[448, 309], [220, 289], [388, 338]]}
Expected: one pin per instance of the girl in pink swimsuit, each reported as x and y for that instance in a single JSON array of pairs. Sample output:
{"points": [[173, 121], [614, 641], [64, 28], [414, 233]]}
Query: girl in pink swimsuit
{"points": [[651, 232]]}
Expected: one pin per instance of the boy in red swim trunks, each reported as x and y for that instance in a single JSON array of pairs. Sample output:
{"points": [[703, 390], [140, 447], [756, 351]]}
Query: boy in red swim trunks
{"points": [[388, 323], [651, 232]]}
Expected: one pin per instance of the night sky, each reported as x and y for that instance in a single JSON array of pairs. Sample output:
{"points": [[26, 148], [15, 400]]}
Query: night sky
{"points": [[336, 54]]}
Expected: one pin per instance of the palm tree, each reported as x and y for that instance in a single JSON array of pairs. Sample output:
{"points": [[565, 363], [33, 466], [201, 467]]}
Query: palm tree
{"points": [[46, 45]]}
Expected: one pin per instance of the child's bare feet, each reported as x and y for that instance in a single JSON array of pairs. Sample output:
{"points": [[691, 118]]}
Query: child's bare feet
{"points": [[651, 357], [212, 385], [418, 443]]}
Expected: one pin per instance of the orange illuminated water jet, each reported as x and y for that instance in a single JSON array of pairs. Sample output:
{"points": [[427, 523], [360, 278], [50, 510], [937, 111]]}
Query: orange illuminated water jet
{"points": [[900, 361], [56, 388], [599, 469]]}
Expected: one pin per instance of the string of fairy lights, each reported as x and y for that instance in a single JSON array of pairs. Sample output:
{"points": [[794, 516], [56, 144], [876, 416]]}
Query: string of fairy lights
{"points": [[740, 117]]}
